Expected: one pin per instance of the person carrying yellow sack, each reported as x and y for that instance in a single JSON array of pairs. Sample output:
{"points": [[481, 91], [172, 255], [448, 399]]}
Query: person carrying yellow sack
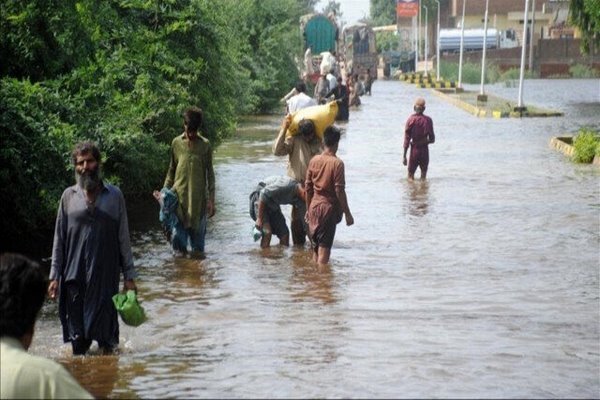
{"points": [[322, 117], [299, 148], [300, 139]]}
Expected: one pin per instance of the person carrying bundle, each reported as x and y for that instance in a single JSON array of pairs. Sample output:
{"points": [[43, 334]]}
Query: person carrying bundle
{"points": [[299, 148]]}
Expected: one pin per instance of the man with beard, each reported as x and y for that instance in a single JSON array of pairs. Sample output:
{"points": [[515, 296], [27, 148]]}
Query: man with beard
{"points": [[91, 249]]}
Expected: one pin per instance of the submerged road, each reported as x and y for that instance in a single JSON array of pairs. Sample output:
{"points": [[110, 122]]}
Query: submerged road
{"points": [[482, 282]]}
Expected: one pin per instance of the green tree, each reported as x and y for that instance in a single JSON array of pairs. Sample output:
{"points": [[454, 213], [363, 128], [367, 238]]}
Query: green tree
{"points": [[383, 12], [585, 14], [333, 6], [41, 39], [120, 72], [269, 42]]}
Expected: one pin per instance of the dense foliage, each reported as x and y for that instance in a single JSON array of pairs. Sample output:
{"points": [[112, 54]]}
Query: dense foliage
{"points": [[585, 14], [383, 12], [121, 72], [333, 6], [386, 41]]}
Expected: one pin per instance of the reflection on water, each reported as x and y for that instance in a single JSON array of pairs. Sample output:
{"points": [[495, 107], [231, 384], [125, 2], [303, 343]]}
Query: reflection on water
{"points": [[480, 282], [310, 281], [97, 374], [418, 195]]}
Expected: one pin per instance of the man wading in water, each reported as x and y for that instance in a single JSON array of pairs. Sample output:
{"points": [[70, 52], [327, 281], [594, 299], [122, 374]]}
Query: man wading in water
{"points": [[326, 199], [91, 250], [300, 149], [418, 133]]}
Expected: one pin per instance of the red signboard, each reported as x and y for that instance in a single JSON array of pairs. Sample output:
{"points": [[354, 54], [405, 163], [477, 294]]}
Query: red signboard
{"points": [[407, 8]]}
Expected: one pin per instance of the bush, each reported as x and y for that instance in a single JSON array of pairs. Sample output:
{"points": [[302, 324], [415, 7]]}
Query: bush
{"points": [[586, 145], [35, 145], [513, 74], [583, 72], [386, 41], [471, 73]]}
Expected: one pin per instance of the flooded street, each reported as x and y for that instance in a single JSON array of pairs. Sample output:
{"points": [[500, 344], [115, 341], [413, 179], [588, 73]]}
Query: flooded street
{"points": [[482, 282]]}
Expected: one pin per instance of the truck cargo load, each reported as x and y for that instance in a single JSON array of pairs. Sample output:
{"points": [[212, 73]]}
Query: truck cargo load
{"points": [[320, 34], [360, 49], [473, 39]]}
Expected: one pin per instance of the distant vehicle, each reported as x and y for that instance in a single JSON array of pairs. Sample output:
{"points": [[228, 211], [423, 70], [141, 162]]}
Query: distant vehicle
{"points": [[473, 39], [320, 34], [360, 49]]}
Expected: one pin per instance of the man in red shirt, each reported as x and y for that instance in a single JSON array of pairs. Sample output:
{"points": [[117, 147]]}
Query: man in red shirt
{"points": [[326, 199], [418, 133]]}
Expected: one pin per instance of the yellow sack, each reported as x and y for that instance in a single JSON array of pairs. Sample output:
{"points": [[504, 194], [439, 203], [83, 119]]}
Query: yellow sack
{"points": [[322, 116]]}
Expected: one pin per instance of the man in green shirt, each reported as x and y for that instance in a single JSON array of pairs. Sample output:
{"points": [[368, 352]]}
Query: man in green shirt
{"points": [[25, 376], [192, 177]]}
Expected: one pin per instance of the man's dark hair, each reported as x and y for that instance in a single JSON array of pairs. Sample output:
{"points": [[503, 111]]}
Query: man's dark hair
{"points": [[22, 293], [331, 136], [86, 147], [306, 127], [192, 117], [300, 87]]}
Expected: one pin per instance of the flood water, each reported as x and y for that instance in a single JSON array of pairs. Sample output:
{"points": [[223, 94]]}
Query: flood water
{"points": [[482, 282]]}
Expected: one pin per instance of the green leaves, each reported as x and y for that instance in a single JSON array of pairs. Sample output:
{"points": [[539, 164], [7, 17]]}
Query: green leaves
{"points": [[585, 14], [586, 145], [121, 73]]}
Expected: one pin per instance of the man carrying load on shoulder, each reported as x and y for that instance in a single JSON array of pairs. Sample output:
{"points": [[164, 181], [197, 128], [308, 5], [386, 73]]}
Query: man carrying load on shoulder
{"points": [[322, 87], [299, 148], [418, 133]]}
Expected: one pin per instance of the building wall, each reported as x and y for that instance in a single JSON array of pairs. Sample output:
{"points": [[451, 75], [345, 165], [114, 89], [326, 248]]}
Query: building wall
{"points": [[552, 57], [506, 14]]}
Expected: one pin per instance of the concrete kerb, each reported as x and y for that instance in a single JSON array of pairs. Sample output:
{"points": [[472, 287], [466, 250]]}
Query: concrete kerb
{"points": [[565, 146], [477, 111], [491, 112]]}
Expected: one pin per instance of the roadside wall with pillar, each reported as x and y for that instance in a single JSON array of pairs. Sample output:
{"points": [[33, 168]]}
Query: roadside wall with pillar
{"points": [[552, 57]]}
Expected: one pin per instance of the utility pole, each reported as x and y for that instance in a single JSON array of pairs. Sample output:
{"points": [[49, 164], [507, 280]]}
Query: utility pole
{"points": [[437, 45], [482, 96], [426, 38], [532, 30], [462, 43], [418, 38], [520, 107]]}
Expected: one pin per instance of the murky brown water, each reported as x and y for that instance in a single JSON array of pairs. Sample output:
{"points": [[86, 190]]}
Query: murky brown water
{"points": [[482, 282]]}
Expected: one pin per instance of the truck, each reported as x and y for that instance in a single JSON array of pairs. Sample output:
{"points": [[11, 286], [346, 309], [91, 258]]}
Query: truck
{"points": [[360, 49], [320, 35], [473, 39]]}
